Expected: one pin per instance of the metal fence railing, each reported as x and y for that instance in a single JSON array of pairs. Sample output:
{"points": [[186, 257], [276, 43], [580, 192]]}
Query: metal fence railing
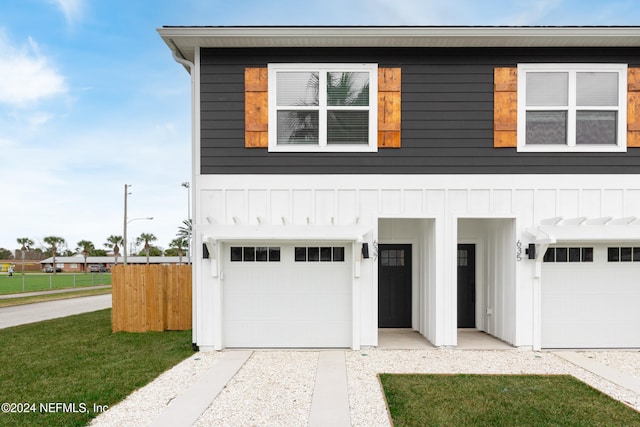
{"points": [[30, 282]]}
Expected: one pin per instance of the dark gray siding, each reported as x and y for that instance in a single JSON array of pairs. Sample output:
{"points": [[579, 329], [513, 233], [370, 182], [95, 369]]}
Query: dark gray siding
{"points": [[447, 115]]}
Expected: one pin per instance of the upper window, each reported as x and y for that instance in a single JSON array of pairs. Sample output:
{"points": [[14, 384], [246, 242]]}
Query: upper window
{"points": [[323, 107], [572, 107]]}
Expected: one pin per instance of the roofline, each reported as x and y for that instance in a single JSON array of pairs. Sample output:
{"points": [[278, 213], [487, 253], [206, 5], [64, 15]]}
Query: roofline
{"points": [[183, 41]]}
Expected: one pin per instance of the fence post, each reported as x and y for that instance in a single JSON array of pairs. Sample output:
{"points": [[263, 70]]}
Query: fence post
{"points": [[50, 282]]}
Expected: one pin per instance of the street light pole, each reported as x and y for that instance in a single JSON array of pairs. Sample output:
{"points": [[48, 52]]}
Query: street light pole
{"points": [[127, 221], [124, 233]]}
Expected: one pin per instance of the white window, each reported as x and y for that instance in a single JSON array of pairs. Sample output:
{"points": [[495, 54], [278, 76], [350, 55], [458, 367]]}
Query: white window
{"points": [[323, 107], [572, 107]]}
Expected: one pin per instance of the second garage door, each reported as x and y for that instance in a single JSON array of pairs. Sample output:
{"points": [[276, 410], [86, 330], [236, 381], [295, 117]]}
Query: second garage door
{"points": [[590, 297], [287, 295]]}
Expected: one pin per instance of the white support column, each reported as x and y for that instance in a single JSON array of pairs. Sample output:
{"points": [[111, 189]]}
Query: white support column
{"points": [[356, 250]]}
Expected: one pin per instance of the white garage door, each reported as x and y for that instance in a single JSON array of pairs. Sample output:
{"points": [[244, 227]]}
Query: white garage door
{"points": [[591, 297], [287, 296]]}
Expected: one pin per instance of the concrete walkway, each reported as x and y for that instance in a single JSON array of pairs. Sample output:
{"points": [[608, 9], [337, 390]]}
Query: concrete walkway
{"points": [[603, 371], [36, 312], [329, 404], [187, 408]]}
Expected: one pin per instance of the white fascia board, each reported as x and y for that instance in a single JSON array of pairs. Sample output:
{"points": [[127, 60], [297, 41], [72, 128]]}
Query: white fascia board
{"points": [[185, 40], [284, 233]]}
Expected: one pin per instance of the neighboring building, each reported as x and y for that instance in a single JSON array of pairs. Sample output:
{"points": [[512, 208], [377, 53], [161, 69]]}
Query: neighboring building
{"points": [[18, 265], [70, 264], [348, 179]]}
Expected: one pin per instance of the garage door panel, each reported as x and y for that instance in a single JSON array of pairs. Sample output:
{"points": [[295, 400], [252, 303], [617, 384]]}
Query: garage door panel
{"points": [[590, 305], [307, 334], [565, 335], [287, 303]]}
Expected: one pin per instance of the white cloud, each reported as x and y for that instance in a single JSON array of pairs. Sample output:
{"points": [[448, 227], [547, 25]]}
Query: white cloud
{"points": [[26, 76], [72, 9], [39, 118]]}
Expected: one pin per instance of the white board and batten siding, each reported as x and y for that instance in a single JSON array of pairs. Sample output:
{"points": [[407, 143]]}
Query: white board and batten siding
{"points": [[443, 200]]}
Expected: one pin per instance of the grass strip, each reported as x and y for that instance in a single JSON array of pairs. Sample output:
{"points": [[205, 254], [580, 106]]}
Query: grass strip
{"points": [[76, 367], [500, 400], [9, 302], [43, 282]]}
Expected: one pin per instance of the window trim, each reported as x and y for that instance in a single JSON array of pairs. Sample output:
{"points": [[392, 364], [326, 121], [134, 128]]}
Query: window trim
{"points": [[572, 69], [322, 146]]}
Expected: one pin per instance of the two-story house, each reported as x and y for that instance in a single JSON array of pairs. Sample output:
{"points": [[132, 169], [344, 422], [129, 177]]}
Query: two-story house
{"points": [[347, 179]]}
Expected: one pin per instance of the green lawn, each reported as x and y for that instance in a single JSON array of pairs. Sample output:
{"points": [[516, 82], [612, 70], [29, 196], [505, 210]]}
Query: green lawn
{"points": [[78, 362], [43, 282], [500, 400]]}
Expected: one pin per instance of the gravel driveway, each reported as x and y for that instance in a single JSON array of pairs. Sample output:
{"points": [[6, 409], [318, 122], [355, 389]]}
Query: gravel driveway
{"points": [[274, 388]]}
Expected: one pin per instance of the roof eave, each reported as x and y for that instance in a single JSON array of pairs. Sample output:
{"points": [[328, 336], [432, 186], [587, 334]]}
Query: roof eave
{"points": [[185, 40]]}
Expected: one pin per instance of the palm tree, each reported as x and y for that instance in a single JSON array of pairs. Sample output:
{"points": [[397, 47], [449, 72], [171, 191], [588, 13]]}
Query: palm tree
{"points": [[55, 244], [179, 244], [112, 243], [146, 238], [184, 231], [25, 245], [85, 247]]}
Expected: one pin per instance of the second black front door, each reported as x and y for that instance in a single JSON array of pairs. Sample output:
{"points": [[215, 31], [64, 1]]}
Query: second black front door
{"points": [[466, 286], [394, 286]]}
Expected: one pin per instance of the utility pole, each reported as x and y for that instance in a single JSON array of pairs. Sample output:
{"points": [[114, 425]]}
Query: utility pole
{"points": [[124, 234]]}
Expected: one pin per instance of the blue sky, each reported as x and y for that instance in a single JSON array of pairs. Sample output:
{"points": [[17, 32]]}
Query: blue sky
{"points": [[91, 100]]}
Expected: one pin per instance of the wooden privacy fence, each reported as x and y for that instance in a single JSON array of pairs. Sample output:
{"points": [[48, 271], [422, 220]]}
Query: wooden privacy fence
{"points": [[151, 298]]}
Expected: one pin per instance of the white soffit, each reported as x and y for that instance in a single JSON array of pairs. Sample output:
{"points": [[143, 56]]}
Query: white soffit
{"points": [[185, 40], [558, 229]]}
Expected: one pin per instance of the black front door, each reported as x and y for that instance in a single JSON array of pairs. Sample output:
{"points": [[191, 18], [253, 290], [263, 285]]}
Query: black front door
{"points": [[394, 286], [466, 286]]}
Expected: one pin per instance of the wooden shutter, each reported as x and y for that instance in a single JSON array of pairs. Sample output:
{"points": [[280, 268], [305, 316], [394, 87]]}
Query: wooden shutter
{"points": [[256, 108], [389, 90], [633, 107], [505, 107]]}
